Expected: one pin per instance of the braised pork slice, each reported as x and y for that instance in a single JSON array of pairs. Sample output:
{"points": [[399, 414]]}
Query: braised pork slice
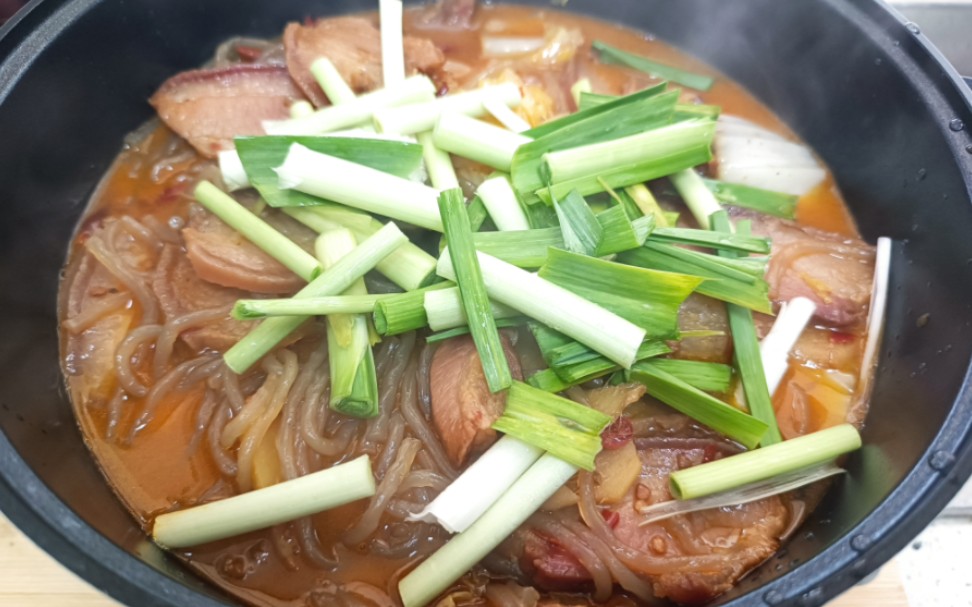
{"points": [[220, 255], [834, 271], [210, 107], [463, 408], [689, 559], [181, 291], [353, 45]]}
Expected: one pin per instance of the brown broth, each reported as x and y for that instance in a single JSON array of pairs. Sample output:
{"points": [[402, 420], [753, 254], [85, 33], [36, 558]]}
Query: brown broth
{"points": [[154, 474]]}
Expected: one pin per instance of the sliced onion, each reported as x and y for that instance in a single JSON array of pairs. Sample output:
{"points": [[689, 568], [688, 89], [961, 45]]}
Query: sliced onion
{"points": [[507, 46], [752, 155]]}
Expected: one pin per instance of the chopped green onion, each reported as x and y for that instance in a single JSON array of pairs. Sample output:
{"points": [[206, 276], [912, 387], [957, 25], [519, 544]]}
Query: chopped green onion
{"points": [[744, 468], [628, 115], [500, 201], [743, 494], [501, 323], [774, 349], [475, 301], [611, 122], [522, 248], [257, 231], [421, 117], [392, 43], [444, 309], [700, 406], [727, 280], [579, 89], [408, 266], [499, 110], [619, 233], [477, 214], [449, 563], [351, 267], [579, 225], [405, 311], [438, 163], [588, 365], [697, 110], [480, 485], [629, 160], [648, 298], [415, 89], [261, 155], [646, 201], [705, 376], [477, 140], [710, 239], [558, 308], [301, 109], [763, 201], [589, 100], [354, 385], [232, 171], [286, 501], [252, 309], [359, 186], [609, 54], [565, 429], [331, 82], [699, 199], [746, 353]]}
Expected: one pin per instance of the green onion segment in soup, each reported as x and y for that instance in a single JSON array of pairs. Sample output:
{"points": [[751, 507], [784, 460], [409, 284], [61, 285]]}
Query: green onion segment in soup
{"points": [[468, 305]]}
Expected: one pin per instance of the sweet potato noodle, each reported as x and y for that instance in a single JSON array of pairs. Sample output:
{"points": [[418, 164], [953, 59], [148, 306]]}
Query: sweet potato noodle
{"points": [[145, 318]]}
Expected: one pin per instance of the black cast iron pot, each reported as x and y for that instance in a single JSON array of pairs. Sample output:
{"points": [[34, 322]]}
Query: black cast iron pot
{"points": [[863, 88]]}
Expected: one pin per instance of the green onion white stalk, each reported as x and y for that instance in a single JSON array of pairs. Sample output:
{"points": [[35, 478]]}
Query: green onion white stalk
{"points": [[450, 562], [408, 266], [744, 494], [480, 485], [438, 163], [351, 267], [443, 308], [252, 309], [257, 231], [301, 109], [647, 203], [501, 202], [776, 345], [558, 308], [875, 316], [359, 186], [475, 302], [415, 89], [697, 196], [500, 110], [392, 44], [331, 82], [421, 117], [405, 311], [233, 173], [753, 466], [266, 507], [354, 384], [580, 87], [478, 140]]}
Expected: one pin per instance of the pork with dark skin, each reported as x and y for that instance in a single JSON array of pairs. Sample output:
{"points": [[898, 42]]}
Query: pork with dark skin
{"points": [[209, 107], [353, 45], [463, 408]]}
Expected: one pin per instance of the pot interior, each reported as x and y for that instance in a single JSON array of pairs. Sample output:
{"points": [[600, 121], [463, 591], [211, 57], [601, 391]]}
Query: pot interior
{"points": [[848, 77]]}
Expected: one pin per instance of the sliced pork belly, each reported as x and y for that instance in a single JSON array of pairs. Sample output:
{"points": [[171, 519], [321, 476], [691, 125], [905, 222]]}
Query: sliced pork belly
{"points": [[832, 270], [222, 256], [210, 107], [353, 45], [463, 408]]}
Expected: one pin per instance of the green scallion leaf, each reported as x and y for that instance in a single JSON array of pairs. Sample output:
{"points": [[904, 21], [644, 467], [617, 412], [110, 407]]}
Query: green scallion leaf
{"points": [[757, 199], [610, 54], [475, 301]]}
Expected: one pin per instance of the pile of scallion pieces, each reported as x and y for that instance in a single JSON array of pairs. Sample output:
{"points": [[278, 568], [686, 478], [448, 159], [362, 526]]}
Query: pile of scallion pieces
{"points": [[564, 239]]}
